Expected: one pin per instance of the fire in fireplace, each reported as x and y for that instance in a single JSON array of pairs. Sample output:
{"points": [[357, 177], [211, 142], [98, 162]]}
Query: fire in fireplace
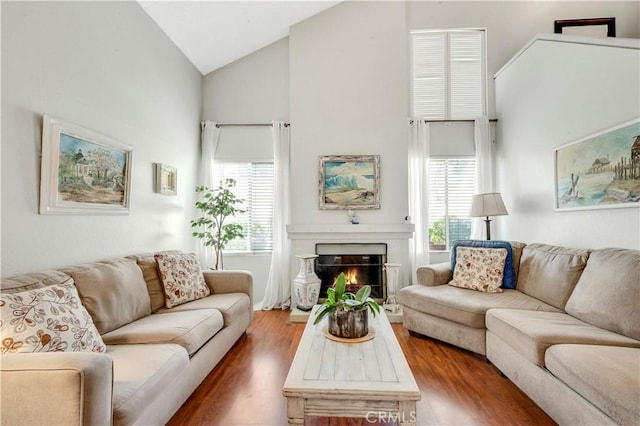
{"points": [[362, 263]]}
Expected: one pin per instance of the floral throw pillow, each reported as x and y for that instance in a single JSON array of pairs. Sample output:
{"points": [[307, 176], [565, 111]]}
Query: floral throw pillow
{"points": [[47, 319], [181, 277], [479, 269]]}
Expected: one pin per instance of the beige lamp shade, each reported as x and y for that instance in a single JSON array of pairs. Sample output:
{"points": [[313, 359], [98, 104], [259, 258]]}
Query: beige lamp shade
{"points": [[489, 204]]}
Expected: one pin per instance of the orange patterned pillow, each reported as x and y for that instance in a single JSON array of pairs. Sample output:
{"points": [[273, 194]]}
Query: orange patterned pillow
{"points": [[479, 269], [47, 319], [181, 277]]}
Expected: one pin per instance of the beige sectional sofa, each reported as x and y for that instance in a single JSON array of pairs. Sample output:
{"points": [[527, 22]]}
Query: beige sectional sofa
{"points": [[155, 357], [568, 335]]}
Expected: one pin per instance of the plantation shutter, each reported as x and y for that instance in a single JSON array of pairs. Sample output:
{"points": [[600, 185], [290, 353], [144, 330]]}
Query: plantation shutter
{"points": [[448, 77], [429, 75], [465, 56]]}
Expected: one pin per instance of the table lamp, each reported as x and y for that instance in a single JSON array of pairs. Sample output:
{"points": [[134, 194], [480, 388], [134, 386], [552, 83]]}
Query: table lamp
{"points": [[488, 204]]}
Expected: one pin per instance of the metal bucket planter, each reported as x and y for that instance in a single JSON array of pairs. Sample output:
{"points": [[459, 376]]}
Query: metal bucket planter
{"points": [[349, 324]]}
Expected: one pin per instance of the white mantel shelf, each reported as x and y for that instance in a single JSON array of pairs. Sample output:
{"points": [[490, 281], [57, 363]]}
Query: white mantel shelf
{"points": [[373, 231]]}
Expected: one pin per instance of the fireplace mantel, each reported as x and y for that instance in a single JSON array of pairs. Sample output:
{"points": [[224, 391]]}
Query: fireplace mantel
{"points": [[305, 237], [339, 231]]}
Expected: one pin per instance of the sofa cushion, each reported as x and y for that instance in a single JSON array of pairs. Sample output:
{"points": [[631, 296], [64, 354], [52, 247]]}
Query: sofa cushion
{"points": [[479, 269], [231, 305], [32, 280], [140, 372], [606, 376], [113, 291], [464, 306], [189, 329], [531, 333], [508, 276], [517, 248], [46, 318], [550, 273], [181, 277], [608, 292], [151, 275]]}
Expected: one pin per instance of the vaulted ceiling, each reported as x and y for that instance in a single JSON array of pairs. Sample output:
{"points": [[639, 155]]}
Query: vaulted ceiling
{"points": [[212, 34]]}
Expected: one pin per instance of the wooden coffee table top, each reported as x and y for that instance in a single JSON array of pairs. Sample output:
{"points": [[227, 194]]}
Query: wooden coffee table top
{"points": [[374, 369]]}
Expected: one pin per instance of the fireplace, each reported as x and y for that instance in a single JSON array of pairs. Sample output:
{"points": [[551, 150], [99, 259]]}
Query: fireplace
{"points": [[362, 263]]}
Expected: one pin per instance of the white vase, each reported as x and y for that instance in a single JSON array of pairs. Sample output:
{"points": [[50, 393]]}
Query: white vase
{"points": [[393, 273], [306, 284]]}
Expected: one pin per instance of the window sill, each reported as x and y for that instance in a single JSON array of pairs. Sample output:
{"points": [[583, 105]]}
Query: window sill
{"points": [[247, 253]]}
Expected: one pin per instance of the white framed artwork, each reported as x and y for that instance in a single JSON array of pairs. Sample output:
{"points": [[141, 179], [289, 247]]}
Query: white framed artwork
{"points": [[82, 171]]}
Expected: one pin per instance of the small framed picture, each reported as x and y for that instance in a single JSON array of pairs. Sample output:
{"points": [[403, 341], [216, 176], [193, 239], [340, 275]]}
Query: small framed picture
{"points": [[166, 179], [595, 27], [83, 172], [349, 182]]}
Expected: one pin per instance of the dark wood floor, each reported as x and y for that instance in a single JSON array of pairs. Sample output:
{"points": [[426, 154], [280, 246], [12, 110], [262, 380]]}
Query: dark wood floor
{"points": [[458, 388]]}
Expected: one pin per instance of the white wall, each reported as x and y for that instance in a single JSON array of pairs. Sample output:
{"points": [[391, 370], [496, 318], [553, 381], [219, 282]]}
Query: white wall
{"points": [[107, 67], [254, 89], [552, 94], [350, 95]]}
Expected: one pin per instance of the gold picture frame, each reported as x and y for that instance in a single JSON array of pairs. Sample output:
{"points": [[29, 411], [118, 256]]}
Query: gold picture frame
{"points": [[166, 179]]}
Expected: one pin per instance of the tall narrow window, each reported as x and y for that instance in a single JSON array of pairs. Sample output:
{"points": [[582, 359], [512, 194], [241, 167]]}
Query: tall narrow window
{"points": [[254, 184], [448, 74], [451, 187]]}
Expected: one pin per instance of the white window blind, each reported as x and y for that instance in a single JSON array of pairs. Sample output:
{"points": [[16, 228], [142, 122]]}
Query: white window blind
{"points": [[448, 74], [452, 183], [254, 184]]}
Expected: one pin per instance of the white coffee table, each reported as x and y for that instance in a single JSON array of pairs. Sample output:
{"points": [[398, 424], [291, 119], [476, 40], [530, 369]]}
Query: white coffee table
{"points": [[369, 380]]}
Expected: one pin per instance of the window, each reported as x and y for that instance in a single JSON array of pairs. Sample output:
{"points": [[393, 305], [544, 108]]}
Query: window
{"points": [[449, 82], [254, 185], [448, 74], [452, 183]]}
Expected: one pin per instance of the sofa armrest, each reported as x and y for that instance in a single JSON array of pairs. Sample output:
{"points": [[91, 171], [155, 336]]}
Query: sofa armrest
{"points": [[59, 388], [436, 274], [230, 282]]}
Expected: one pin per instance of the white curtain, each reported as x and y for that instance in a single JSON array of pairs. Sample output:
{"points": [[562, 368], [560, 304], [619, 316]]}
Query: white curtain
{"points": [[484, 168], [209, 140], [419, 142], [278, 290]]}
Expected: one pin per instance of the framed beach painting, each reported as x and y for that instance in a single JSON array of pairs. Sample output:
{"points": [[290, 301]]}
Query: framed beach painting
{"points": [[599, 171], [83, 172], [349, 182]]}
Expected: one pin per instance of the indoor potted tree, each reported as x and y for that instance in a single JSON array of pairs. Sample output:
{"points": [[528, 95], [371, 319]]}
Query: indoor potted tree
{"points": [[348, 313], [217, 206]]}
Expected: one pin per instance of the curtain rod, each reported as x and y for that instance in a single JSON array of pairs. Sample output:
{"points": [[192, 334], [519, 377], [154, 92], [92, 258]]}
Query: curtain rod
{"points": [[411, 121], [248, 125]]}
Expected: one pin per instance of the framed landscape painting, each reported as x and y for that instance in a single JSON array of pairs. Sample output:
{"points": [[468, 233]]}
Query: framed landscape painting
{"points": [[83, 172], [349, 182], [599, 171]]}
